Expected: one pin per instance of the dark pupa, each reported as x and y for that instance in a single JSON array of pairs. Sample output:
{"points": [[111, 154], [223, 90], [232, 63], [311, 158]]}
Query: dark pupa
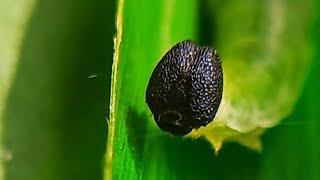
{"points": [[185, 88]]}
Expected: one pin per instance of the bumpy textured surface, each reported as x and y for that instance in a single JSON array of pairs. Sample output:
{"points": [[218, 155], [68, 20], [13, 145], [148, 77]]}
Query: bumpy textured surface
{"points": [[185, 88]]}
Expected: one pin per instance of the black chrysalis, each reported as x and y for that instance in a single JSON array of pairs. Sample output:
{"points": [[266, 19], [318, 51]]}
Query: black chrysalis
{"points": [[185, 88]]}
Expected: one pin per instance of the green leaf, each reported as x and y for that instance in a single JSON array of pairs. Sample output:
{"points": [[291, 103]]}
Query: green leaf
{"points": [[14, 15], [145, 31]]}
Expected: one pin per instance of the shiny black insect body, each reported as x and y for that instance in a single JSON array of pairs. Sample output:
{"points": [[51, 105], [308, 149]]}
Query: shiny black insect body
{"points": [[185, 88]]}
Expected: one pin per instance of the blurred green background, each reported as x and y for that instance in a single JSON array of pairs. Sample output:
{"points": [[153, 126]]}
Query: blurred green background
{"points": [[54, 122]]}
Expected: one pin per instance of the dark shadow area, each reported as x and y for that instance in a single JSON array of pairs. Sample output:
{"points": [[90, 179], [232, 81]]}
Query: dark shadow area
{"points": [[55, 117], [197, 160], [137, 129], [206, 29]]}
